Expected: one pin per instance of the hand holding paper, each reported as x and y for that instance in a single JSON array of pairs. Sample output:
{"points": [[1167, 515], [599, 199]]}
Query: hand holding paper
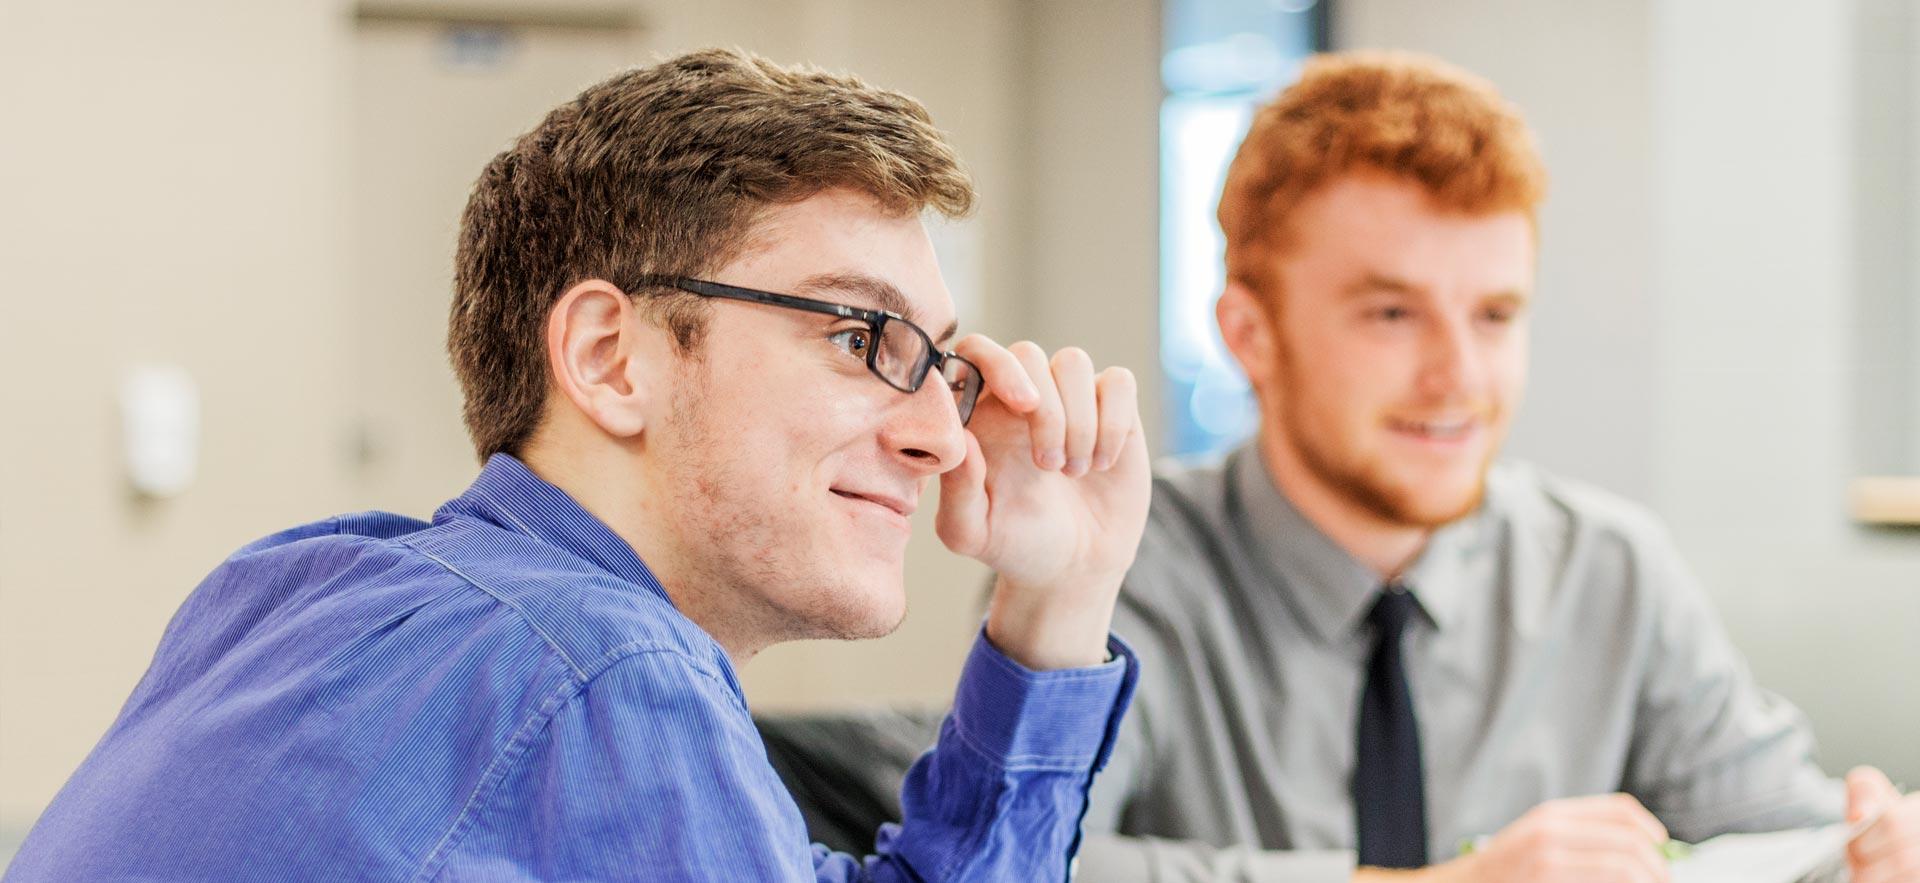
{"points": [[1878, 842], [1608, 838], [1888, 850]]}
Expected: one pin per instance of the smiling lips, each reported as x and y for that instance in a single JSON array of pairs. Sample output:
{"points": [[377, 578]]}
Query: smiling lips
{"points": [[901, 506], [1445, 429]]}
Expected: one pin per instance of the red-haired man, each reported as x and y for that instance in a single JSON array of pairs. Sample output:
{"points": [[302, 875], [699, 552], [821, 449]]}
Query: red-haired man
{"points": [[1359, 634]]}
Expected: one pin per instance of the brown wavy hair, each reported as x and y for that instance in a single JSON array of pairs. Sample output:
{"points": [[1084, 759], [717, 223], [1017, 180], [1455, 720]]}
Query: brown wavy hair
{"points": [[662, 169]]}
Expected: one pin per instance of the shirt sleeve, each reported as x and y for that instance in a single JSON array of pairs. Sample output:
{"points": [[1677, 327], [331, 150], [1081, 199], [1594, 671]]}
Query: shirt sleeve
{"points": [[1713, 752], [654, 772], [1002, 794]]}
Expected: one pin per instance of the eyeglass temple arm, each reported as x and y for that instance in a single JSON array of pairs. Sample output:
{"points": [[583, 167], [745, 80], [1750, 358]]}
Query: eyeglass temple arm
{"points": [[753, 295]]}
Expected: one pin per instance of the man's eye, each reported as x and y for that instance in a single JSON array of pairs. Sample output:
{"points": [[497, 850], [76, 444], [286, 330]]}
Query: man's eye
{"points": [[853, 340], [1392, 314], [1500, 315]]}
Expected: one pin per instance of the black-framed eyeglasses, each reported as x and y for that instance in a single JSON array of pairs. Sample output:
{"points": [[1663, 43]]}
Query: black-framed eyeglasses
{"points": [[897, 351]]}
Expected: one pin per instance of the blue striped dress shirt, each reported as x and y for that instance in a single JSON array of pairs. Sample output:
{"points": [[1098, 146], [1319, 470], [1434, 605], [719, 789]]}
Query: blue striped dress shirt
{"points": [[508, 694]]}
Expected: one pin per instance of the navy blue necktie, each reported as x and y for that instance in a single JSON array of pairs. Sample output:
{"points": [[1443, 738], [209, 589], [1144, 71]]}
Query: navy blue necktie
{"points": [[1389, 795]]}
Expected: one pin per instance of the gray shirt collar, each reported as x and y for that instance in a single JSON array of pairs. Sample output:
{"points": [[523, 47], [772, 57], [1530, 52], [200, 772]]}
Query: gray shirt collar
{"points": [[1334, 590]]}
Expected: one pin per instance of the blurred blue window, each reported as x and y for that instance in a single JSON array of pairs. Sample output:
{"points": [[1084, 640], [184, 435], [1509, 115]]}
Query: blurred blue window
{"points": [[1223, 58]]}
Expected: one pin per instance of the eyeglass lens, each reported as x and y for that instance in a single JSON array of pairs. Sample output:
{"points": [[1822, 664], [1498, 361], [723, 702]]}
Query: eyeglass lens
{"points": [[903, 355], [965, 381]]}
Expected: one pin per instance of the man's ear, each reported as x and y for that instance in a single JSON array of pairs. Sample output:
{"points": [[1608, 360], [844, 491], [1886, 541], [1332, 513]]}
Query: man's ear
{"points": [[1247, 328], [612, 368]]}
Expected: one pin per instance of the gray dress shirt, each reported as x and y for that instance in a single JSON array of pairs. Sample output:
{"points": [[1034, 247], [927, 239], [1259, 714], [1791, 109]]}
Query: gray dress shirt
{"points": [[1562, 649]]}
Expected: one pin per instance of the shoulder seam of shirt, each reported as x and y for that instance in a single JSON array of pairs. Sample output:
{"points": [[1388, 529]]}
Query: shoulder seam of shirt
{"points": [[510, 754], [578, 673], [650, 647], [497, 771]]}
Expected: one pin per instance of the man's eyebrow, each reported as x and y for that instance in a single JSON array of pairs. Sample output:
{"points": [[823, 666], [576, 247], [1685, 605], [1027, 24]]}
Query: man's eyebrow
{"points": [[871, 292], [1377, 283]]}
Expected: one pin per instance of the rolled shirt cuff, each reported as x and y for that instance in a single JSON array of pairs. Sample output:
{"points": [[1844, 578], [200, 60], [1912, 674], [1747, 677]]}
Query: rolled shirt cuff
{"points": [[1022, 719]]}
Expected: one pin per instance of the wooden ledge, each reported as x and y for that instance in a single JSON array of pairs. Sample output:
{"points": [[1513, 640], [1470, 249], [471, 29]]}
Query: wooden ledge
{"points": [[1892, 500]]}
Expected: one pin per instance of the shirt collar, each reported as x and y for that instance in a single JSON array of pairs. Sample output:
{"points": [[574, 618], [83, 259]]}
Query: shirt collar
{"points": [[508, 495], [1439, 576], [1333, 589]]}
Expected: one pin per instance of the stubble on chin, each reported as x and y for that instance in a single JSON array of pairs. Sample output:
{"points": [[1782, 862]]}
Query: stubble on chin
{"points": [[1404, 506], [758, 562], [1368, 484]]}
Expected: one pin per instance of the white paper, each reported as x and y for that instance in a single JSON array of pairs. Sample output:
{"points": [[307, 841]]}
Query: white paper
{"points": [[1779, 857]]}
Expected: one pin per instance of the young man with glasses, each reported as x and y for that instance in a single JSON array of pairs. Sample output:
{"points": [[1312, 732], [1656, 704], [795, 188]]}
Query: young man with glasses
{"points": [[690, 324], [1364, 642]]}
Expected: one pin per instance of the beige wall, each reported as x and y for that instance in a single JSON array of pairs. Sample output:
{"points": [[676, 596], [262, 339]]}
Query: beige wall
{"points": [[1092, 134], [1758, 284], [171, 194], [265, 194]]}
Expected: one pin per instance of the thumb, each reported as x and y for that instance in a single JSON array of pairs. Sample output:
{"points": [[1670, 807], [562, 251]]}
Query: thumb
{"points": [[1867, 789], [962, 520]]}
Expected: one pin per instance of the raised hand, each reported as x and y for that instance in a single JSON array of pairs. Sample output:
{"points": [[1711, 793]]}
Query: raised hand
{"points": [[1052, 495]]}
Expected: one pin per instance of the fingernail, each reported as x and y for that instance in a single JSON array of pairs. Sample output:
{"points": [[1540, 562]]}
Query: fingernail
{"points": [[1052, 460], [1077, 466]]}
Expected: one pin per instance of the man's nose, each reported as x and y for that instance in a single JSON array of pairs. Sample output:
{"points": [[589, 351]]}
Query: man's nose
{"points": [[924, 429], [1451, 359]]}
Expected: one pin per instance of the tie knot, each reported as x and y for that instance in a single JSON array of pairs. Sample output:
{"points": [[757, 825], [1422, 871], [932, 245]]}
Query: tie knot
{"points": [[1391, 612]]}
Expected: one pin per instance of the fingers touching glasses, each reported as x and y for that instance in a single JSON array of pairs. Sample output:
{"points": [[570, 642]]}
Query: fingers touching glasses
{"points": [[1078, 421]]}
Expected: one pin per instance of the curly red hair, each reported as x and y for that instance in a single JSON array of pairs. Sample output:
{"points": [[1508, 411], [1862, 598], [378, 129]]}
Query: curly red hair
{"points": [[1410, 116]]}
